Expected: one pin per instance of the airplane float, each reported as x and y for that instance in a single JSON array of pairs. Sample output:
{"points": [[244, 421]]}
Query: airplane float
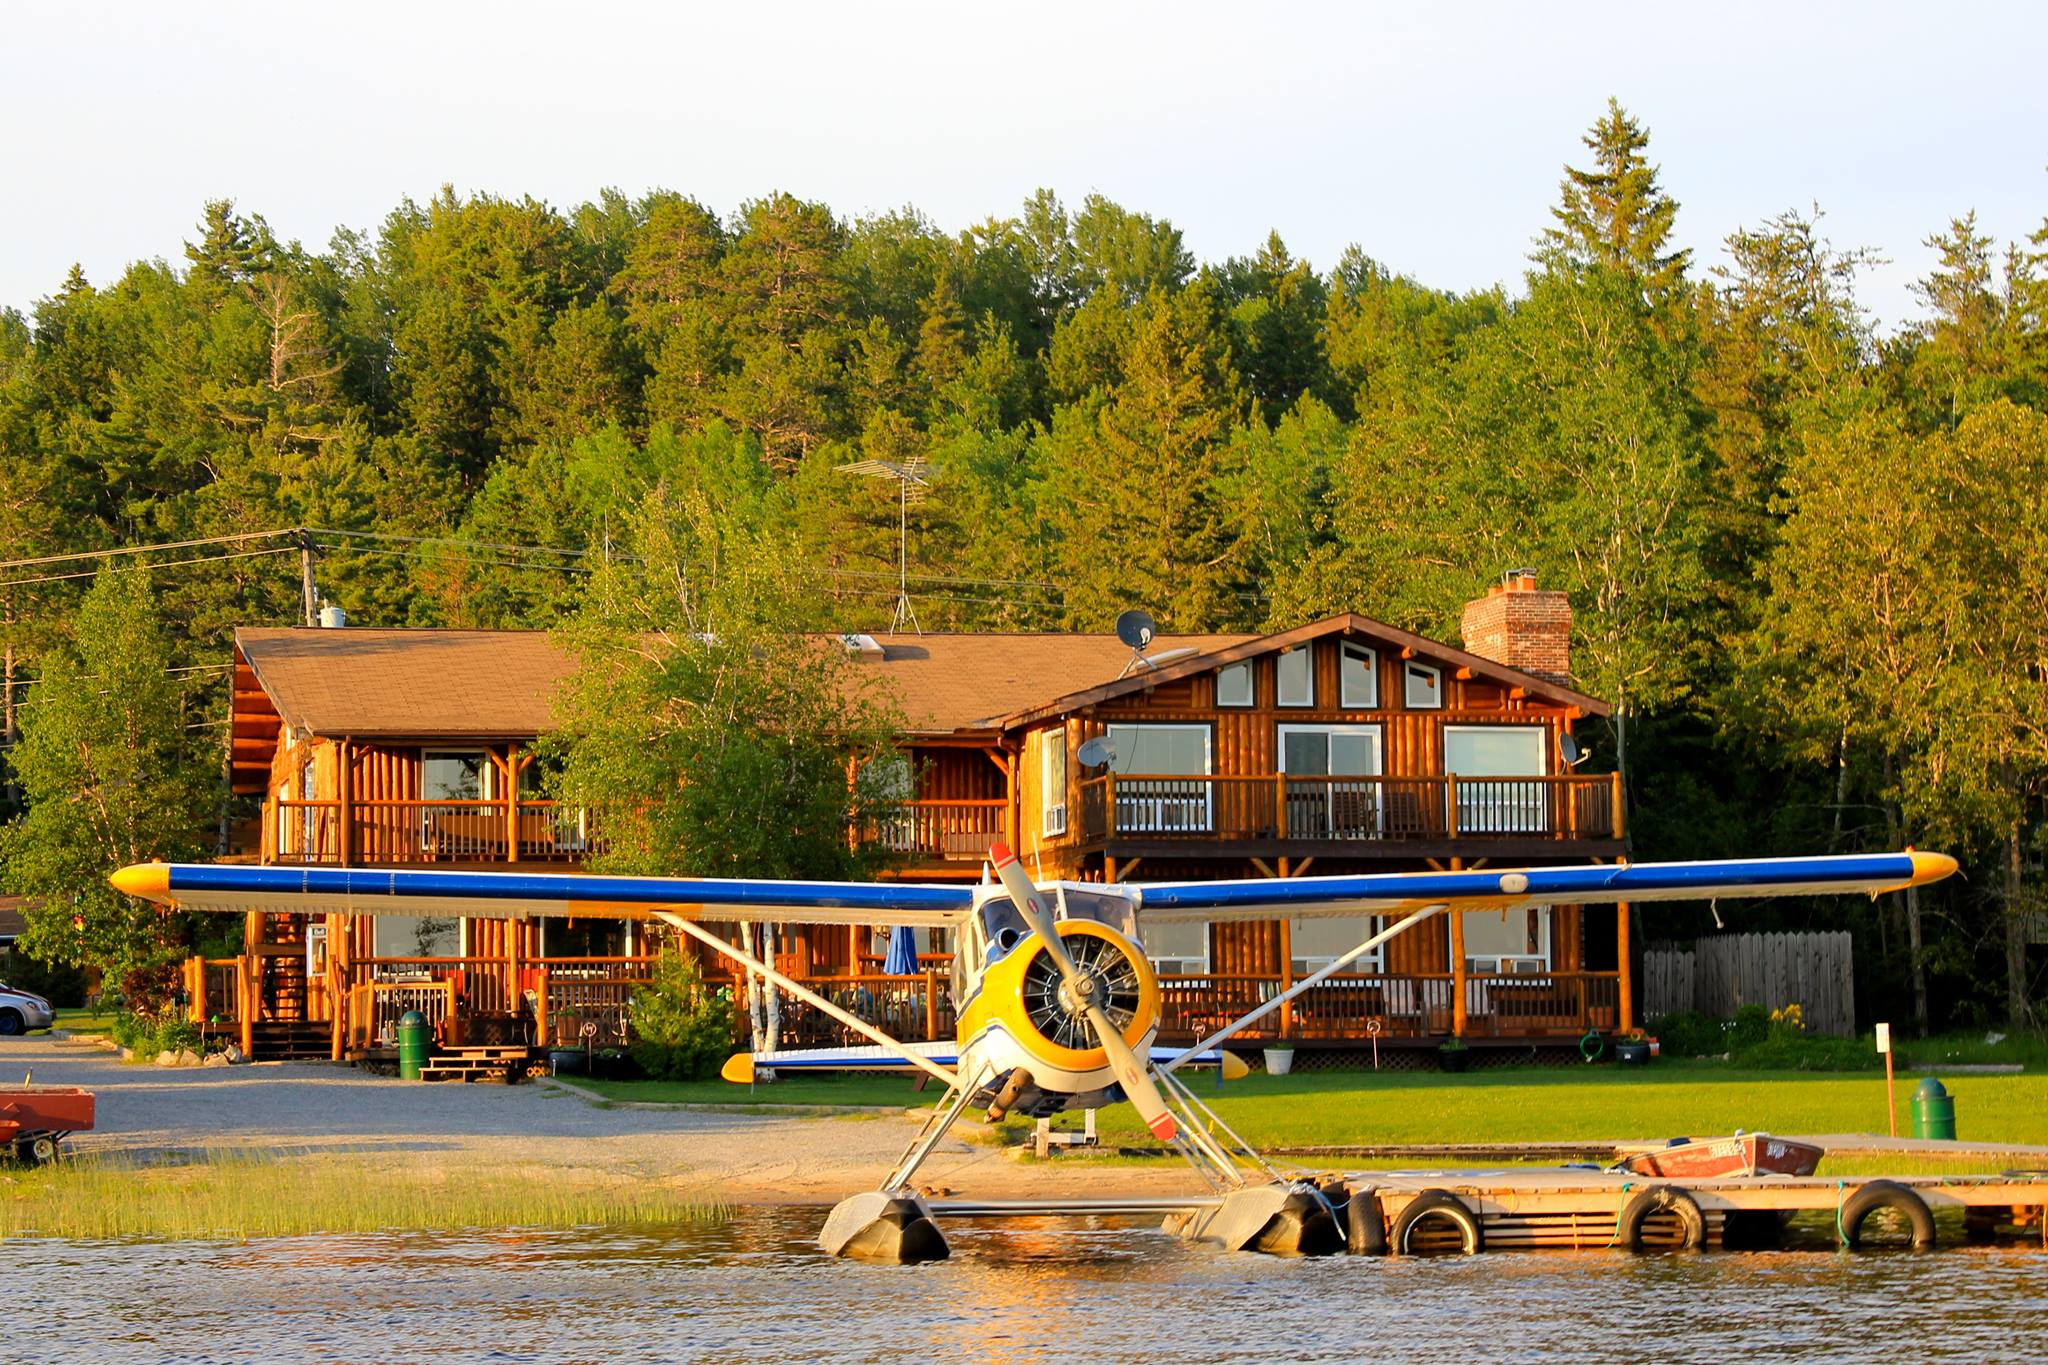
{"points": [[1058, 1006]]}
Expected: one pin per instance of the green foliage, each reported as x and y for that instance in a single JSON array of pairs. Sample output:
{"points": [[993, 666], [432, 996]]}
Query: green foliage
{"points": [[682, 1028], [1750, 1027], [111, 776], [1793, 1051], [1690, 1034], [149, 1036]]}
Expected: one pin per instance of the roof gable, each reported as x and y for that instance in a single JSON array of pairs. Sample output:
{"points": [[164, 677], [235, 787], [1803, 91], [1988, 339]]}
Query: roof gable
{"points": [[1349, 623]]}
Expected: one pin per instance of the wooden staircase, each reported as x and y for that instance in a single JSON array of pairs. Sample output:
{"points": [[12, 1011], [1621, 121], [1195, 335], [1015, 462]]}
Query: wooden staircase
{"points": [[503, 1063]]}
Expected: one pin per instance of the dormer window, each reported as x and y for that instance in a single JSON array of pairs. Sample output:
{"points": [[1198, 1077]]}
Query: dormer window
{"points": [[1297, 679], [1234, 684], [1425, 687], [1358, 677]]}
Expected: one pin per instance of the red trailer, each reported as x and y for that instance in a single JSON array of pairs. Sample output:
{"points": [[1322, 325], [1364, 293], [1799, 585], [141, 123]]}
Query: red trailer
{"points": [[34, 1117]]}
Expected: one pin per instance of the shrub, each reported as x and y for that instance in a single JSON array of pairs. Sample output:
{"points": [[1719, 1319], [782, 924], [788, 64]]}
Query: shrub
{"points": [[1789, 1050], [1751, 1026], [148, 1037], [682, 1027], [1690, 1034]]}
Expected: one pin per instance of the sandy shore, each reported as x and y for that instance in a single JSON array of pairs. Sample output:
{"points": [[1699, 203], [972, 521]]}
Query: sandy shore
{"points": [[300, 1110]]}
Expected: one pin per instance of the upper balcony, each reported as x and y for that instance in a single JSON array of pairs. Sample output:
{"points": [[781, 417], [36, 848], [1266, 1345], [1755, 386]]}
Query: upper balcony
{"points": [[386, 833], [1349, 816]]}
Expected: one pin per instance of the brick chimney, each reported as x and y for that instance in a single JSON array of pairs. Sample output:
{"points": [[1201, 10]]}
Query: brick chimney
{"points": [[1516, 625]]}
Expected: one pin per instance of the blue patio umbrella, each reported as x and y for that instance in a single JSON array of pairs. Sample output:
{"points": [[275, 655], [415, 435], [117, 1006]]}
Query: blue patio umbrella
{"points": [[902, 958]]}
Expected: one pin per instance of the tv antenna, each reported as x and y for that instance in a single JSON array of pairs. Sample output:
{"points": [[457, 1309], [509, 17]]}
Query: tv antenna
{"points": [[909, 474]]}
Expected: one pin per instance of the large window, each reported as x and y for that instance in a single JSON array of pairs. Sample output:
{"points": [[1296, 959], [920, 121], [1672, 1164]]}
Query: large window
{"points": [[1332, 786], [1162, 778], [1176, 949], [1511, 942], [1297, 677], [457, 775], [1316, 943], [1052, 779], [1358, 676], [1513, 801], [1234, 684]]}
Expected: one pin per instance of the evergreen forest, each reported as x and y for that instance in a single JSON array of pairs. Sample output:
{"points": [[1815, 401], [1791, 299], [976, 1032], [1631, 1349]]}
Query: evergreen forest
{"points": [[1808, 561]]}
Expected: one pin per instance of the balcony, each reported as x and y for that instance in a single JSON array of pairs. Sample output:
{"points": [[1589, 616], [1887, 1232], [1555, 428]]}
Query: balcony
{"points": [[940, 831], [381, 833], [1339, 815]]}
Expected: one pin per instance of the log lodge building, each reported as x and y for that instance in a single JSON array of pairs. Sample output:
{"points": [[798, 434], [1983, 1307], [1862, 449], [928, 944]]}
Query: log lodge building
{"points": [[1342, 746]]}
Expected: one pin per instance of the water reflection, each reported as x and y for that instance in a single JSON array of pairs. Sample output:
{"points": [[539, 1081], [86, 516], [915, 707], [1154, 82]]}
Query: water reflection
{"points": [[755, 1287]]}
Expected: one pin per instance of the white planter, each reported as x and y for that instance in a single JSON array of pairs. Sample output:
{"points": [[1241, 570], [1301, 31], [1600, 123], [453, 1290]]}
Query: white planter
{"points": [[1279, 1060]]}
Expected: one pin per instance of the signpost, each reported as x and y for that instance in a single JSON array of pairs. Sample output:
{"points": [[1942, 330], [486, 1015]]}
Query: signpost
{"points": [[1891, 1095]]}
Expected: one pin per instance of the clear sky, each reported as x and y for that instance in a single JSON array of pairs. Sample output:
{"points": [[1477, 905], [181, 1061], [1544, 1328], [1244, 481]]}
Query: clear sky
{"points": [[1434, 139]]}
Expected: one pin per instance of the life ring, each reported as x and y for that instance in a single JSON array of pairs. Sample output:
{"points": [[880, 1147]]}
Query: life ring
{"points": [[1664, 1199], [1886, 1194], [1592, 1045], [1437, 1203]]}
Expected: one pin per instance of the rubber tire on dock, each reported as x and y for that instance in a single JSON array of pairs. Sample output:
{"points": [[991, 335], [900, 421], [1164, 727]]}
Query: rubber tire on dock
{"points": [[1671, 1199], [1365, 1223], [1886, 1194], [1437, 1203]]}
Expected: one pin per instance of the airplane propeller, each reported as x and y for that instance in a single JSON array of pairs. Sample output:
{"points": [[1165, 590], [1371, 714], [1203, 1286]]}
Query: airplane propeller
{"points": [[1130, 1073]]}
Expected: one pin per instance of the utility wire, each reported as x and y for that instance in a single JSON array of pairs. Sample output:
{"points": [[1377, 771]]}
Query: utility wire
{"points": [[146, 549], [167, 564]]}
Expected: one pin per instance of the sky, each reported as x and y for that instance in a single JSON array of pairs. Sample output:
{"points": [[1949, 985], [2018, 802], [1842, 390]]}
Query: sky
{"points": [[1433, 137]]}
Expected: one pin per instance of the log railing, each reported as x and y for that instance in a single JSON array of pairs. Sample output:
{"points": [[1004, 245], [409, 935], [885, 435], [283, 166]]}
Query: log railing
{"points": [[1320, 809], [383, 832], [1555, 1005]]}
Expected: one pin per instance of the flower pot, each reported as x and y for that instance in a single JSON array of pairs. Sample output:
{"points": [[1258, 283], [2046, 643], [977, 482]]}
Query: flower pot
{"points": [[1453, 1058], [1632, 1053], [1279, 1060], [567, 1061]]}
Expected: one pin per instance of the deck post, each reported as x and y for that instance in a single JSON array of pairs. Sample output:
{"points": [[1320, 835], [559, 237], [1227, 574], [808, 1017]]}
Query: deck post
{"points": [[540, 1008], [1109, 805], [245, 1003], [1619, 818], [1626, 1017], [1451, 817], [1280, 806], [1458, 1020], [1286, 972], [345, 788], [931, 1003]]}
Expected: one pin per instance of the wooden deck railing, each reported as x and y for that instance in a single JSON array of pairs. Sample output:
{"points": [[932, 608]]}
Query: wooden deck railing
{"points": [[374, 832], [940, 830], [1554, 1005], [1281, 808]]}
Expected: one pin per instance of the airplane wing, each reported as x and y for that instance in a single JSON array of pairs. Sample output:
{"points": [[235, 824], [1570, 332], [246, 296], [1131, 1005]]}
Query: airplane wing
{"points": [[1587, 884], [520, 895]]}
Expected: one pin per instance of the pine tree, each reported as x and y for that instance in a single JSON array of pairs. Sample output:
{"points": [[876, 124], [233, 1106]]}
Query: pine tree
{"points": [[1616, 215]]}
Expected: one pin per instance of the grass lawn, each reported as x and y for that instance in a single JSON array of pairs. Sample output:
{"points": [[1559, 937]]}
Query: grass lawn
{"points": [[84, 1021], [1338, 1108], [1334, 1108]]}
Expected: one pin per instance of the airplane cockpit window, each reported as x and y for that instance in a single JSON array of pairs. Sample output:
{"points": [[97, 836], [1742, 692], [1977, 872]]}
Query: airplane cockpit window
{"points": [[1103, 908], [1003, 927]]}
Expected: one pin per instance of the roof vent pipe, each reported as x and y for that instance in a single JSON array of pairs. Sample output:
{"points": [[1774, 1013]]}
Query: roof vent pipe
{"points": [[332, 617]]}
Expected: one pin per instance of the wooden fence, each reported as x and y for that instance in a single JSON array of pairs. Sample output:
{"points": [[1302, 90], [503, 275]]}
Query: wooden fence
{"points": [[1719, 975]]}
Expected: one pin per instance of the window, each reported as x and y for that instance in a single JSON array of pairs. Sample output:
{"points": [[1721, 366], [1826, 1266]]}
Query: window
{"points": [[1162, 778], [1497, 767], [1358, 677], [1178, 949], [1234, 684], [1316, 943], [1511, 942], [1425, 687], [457, 775], [1297, 677], [1052, 780], [1321, 802]]}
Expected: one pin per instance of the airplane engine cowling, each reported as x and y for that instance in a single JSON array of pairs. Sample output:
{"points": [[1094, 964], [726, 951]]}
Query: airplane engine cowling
{"points": [[1126, 987]]}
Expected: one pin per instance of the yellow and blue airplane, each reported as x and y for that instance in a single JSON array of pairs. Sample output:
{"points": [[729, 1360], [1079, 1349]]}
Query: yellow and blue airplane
{"points": [[1057, 1004]]}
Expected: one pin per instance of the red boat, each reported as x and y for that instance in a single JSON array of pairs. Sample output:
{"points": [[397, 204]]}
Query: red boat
{"points": [[1720, 1158], [34, 1117]]}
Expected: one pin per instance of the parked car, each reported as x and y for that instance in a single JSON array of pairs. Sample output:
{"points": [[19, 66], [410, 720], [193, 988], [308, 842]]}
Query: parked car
{"points": [[20, 1011]]}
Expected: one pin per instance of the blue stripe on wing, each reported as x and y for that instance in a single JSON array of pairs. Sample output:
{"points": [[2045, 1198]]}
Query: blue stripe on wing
{"points": [[1599, 882], [570, 887]]}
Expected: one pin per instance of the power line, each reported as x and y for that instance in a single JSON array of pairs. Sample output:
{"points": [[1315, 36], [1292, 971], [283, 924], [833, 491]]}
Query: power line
{"points": [[168, 564], [145, 549]]}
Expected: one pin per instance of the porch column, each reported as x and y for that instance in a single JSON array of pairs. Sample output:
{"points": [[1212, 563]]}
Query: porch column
{"points": [[1457, 962], [345, 789], [1621, 962]]}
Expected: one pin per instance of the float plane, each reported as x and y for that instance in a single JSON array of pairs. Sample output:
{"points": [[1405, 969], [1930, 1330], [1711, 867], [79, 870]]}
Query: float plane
{"points": [[1058, 1006]]}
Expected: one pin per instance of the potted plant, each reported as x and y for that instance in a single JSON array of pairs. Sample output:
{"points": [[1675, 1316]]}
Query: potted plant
{"points": [[1280, 1056], [1453, 1054], [1632, 1048]]}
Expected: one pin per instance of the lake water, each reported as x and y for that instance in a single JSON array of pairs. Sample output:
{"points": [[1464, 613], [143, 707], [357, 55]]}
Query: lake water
{"points": [[754, 1287]]}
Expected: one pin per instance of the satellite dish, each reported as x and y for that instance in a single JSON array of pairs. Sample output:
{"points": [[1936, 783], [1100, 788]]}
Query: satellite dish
{"points": [[1098, 751], [1135, 628], [1569, 748]]}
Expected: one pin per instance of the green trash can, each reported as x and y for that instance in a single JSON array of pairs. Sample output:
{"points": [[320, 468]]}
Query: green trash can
{"points": [[1934, 1111], [414, 1038]]}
